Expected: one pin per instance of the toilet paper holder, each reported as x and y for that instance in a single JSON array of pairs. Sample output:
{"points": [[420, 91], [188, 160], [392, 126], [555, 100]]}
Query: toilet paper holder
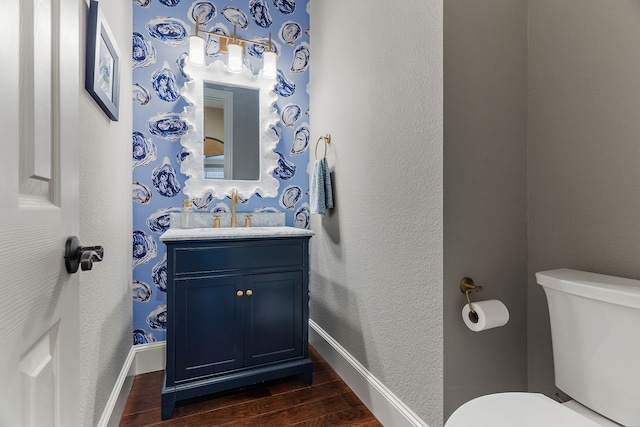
{"points": [[467, 286]]}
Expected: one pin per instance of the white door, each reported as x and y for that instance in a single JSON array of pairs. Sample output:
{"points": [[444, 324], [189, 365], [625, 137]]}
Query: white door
{"points": [[39, 90]]}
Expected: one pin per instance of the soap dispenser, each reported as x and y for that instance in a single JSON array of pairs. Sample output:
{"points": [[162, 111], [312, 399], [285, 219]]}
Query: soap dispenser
{"points": [[187, 214]]}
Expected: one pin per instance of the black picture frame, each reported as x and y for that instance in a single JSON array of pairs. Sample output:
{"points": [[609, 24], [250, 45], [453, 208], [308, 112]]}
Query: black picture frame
{"points": [[102, 71]]}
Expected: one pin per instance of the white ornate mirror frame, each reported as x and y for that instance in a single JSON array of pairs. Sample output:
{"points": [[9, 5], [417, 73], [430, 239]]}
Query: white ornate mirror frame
{"points": [[196, 185]]}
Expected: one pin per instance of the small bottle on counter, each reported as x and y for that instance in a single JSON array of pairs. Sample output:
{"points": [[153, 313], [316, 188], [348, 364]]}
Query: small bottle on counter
{"points": [[187, 214]]}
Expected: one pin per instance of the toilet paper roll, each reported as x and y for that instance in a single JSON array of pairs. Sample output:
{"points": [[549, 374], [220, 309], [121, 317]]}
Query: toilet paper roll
{"points": [[491, 314]]}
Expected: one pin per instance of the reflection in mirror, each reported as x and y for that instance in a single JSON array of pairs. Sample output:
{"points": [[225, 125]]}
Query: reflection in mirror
{"points": [[238, 151], [216, 133], [231, 132]]}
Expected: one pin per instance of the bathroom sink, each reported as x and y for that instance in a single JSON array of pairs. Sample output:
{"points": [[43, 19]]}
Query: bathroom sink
{"points": [[207, 233]]}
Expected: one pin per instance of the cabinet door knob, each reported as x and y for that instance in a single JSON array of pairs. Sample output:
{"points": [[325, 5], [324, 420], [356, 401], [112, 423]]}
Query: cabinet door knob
{"points": [[239, 293], [249, 292]]}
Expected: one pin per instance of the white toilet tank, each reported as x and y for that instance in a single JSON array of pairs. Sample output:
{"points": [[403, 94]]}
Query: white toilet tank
{"points": [[595, 330]]}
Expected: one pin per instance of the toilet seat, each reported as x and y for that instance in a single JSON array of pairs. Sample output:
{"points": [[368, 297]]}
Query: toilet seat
{"points": [[516, 409]]}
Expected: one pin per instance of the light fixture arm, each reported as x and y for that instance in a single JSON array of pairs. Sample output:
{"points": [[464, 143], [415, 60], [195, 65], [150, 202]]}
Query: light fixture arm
{"points": [[225, 40]]}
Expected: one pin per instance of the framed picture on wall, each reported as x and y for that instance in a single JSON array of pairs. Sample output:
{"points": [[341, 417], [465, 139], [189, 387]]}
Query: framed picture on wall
{"points": [[102, 72]]}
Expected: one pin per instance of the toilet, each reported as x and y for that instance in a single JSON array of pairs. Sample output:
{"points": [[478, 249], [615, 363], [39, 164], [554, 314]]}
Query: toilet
{"points": [[595, 333]]}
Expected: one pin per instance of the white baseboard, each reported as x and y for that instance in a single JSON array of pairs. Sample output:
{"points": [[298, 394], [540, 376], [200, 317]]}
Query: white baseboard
{"points": [[141, 359], [150, 357], [382, 403]]}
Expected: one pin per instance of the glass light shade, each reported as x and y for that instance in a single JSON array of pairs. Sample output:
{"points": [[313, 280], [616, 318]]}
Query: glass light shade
{"points": [[234, 57], [196, 49], [269, 64]]}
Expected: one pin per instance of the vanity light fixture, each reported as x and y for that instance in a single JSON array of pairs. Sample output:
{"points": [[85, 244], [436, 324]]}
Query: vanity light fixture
{"points": [[234, 48]]}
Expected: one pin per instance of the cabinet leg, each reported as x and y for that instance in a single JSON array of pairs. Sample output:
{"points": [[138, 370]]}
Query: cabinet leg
{"points": [[168, 402], [307, 374]]}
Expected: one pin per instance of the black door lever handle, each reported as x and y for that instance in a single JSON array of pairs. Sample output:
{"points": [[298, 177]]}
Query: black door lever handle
{"points": [[76, 255]]}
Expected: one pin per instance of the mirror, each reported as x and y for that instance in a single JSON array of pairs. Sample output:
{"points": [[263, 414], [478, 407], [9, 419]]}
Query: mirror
{"points": [[231, 137], [231, 132]]}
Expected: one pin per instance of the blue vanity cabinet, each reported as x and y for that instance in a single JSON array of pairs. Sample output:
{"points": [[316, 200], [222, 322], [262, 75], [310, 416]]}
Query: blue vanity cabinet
{"points": [[237, 314]]}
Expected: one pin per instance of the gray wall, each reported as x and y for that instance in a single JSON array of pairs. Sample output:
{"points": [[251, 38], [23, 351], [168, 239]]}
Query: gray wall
{"points": [[485, 192], [105, 219], [584, 150], [376, 260], [541, 128]]}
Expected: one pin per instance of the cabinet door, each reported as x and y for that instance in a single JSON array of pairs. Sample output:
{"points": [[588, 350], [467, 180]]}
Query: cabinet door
{"points": [[273, 317], [209, 325]]}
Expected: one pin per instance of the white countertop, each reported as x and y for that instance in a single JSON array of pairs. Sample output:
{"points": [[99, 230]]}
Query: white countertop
{"points": [[174, 234]]}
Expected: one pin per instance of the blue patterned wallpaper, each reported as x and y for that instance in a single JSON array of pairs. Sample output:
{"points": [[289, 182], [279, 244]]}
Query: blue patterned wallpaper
{"points": [[160, 45]]}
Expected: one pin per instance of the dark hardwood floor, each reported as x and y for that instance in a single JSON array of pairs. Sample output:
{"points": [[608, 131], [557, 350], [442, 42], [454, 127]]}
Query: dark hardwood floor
{"points": [[286, 402]]}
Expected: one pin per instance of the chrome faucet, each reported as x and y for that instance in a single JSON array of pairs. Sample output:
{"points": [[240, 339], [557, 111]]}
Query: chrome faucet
{"points": [[234, 202]]}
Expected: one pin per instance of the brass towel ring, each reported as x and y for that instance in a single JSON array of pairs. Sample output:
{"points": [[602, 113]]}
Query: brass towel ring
{"points": [[327, 140]]}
